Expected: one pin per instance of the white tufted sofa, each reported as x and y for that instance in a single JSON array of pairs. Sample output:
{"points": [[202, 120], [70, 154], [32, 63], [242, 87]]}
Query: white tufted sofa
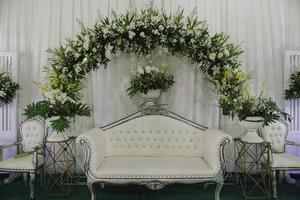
{"points": [[153, 150], [276, 134]]}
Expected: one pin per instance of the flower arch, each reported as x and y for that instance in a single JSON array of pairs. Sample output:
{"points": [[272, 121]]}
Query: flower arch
{"points": [[140, 33]]}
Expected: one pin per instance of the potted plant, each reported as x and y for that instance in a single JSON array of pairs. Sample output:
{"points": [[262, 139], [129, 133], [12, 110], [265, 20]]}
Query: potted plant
{"points": [[149, 81], [8, 89], [257, 111], [293, 92]]}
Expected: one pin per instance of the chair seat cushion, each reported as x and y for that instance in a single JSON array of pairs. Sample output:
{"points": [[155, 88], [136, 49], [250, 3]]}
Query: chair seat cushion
{"points": [[23, 163], [282, 160], [154, 167]]}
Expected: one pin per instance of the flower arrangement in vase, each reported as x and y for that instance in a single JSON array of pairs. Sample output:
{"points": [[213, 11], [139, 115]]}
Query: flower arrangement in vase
{"points": [[149, 81], [8, 89], [255, 112]]}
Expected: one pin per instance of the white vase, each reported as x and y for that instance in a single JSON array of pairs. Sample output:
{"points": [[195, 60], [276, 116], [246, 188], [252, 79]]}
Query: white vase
{"points": [[56, 137], [151, 97], [252, 124]]}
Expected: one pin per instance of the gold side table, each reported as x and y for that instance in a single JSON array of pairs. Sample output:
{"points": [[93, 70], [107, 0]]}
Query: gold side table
{"points": [[60, 166], [252, 166]]}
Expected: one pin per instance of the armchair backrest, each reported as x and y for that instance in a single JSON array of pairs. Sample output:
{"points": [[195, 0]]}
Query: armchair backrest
{"points": [[276, 134], [32, 134]]}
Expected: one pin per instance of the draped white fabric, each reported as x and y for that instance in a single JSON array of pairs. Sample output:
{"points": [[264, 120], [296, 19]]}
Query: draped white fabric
{"points": [[264, 28]]}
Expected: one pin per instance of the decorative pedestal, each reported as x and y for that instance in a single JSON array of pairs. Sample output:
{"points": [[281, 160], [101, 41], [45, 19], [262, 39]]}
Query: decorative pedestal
{"points": [[253, 174], [60, 165]]}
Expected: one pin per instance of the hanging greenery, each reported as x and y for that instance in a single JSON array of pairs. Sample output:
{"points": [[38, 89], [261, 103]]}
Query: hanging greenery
{"points": [[294, 86], [141, 33]]}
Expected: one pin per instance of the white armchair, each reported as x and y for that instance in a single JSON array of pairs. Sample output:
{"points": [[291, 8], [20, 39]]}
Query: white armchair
{"points": [[276, 134], [31, 156]]}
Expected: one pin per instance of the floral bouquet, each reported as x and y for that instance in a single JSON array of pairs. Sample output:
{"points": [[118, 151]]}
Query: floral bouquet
{"points": [[252, 106], [150, 78], [8, 88]]}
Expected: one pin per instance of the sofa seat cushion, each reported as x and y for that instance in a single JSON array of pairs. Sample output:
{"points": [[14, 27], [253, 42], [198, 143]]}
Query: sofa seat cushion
{"points": [[283, 160], [154, 168]]}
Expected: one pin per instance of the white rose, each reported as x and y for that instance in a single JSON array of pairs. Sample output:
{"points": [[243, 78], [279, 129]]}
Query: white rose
{"points": [[131, 34], [142, 34], [160, 27], [148, 69], [226, 52], [212, 56], [155, 32]]}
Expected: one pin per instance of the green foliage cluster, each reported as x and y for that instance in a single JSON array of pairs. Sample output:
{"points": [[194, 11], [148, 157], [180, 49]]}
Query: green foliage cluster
{"points": [[294, 86], [8, 88]]}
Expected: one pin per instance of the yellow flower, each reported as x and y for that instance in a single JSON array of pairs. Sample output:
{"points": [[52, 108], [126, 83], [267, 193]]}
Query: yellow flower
{"points": [[62, 76], [119, 42], [239, 76], [45, 87], [54, 83], [226, 73], [71, 86]]}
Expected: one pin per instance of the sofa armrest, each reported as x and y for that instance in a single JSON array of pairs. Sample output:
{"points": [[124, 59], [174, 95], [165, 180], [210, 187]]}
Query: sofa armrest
{"points": [[94, 143], [214, 141]]}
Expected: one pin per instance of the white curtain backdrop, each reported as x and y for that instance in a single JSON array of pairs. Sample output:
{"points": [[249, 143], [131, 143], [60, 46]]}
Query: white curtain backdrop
{"points": [[264, 28]]}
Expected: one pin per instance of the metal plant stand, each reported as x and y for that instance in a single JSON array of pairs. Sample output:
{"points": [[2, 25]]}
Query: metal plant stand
{"points": [[253, 174], [60, 166]]}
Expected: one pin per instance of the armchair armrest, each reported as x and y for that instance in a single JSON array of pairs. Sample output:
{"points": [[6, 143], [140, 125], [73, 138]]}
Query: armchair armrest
{"points": [[94, 143], [10, 145], [292, 143], [213, 143]]}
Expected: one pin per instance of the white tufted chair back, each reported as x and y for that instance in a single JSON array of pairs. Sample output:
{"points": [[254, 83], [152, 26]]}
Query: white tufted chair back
{"points": [[154, 135], [276, 134], [32, 133]]}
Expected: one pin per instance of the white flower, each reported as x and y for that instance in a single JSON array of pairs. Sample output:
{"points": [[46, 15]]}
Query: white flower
{"points": [[2, 93], [105, 31], [64, 70], [84, 60], [140, 70], [160, 27], [156, 32], [76, 55], [78, 69], [148, 69], [131, 34], [226, 52], [142, 34], [220, 55], [212, 56]]}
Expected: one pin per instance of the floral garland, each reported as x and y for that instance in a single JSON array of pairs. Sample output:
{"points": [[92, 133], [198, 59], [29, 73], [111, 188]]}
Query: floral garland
{"points": [[8, 89], [294, 86], [141, 33]]}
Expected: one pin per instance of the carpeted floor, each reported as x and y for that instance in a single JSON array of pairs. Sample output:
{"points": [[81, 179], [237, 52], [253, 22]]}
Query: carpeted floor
{"points": [[18, 191]]}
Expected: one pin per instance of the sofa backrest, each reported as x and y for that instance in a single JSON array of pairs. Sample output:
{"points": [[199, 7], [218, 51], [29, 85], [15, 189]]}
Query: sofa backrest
{"points": [[154, 135]]}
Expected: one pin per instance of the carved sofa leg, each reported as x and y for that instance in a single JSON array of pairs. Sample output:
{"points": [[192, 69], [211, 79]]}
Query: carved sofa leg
{"points": [[274, 184], [31, 185], [218, 190], [92, 191]]}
